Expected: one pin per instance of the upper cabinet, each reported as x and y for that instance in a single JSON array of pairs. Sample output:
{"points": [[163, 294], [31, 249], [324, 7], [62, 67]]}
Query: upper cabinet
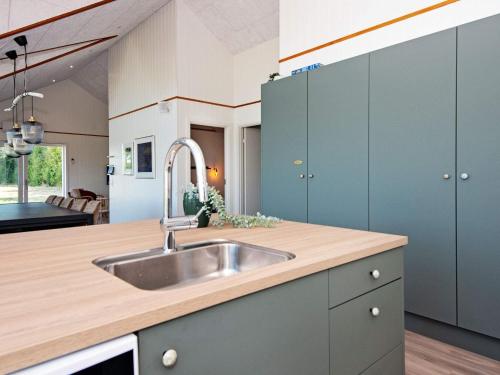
{"points": [[478, 183], [338, 144], [404, 141], [284, 148], [315, 146], [412, 165]]}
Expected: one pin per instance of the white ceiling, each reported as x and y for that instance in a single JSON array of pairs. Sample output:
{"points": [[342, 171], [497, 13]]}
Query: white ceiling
{"points": [[239, 24], [115, 18]]}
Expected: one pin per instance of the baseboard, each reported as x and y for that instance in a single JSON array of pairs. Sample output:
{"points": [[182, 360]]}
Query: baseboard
{"points": [[462, 338]]}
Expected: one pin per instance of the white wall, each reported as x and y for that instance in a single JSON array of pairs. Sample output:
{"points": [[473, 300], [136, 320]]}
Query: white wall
{"points": [[205, 69], [251, 70], [131, 198], [193, 64], [69, 108], [142, 65], [142, 70], [304, 25]]}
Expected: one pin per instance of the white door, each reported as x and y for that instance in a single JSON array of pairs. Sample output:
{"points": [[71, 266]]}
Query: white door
{"points": [[251, 170]]}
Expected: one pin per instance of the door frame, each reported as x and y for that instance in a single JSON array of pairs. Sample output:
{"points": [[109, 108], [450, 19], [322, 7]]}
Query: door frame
{"points": [[241, 165], [227, 139]]}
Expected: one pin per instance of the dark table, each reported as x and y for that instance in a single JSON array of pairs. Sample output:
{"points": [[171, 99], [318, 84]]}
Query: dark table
{"points": [[22, 217]]}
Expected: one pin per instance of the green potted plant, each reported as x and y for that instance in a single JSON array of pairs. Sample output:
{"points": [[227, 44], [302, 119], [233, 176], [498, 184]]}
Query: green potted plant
{"points": [[215, 203]]}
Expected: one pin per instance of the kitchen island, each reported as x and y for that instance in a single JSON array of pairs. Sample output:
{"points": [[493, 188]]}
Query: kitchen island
{"points": [[54, 300]]}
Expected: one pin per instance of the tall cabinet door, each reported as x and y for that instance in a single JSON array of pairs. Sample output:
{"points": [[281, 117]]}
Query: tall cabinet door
{"points": [[284, 148], [338, 144], [478, 158], [412, 165]]}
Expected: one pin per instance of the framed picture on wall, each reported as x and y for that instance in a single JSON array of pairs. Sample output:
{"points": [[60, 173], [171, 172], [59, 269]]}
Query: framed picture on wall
{"points": [[144, 157], [128, 159]]}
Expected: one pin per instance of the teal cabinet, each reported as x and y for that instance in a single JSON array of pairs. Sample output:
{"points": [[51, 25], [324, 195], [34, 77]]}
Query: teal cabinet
{"points": [[315, 146], [282, 330], [284, 148], [338, 144], [412, 165], [478, 156], [288, 329], [405, 141]]}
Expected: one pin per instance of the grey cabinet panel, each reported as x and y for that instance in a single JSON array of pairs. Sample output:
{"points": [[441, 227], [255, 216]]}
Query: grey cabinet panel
{"points": [[282, 330], [478, 198], [392, 364], [338, 144], [412, 145], [353, 326], [353, 279], [284, 140]]}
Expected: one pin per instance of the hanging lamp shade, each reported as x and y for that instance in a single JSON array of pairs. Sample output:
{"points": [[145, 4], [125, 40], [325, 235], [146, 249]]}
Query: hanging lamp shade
{"points": [[9, 151], [14, 132], [21, 147], [32, 131]]}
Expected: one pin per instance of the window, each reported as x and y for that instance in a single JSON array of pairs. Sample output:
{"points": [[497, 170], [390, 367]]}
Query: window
{"points": [[9, 191], [44, 172]]}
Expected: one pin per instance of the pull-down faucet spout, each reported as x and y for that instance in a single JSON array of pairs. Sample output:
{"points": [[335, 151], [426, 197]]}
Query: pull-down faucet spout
{"points": [[170, 224]]}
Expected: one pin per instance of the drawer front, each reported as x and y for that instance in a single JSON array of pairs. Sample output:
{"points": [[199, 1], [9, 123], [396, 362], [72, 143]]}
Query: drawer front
{"points": [[267, 333], [392, 364], [354, 279], [356, 324]]}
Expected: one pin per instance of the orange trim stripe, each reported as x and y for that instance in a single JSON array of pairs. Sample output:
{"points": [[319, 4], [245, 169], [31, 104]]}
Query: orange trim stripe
{"points": [[84, 134], [370, 29], [187, 99], [54, 19]]}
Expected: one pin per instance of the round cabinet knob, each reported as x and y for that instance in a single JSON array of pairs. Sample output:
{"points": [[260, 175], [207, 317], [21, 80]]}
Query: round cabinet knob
{"points": [[375, 274], [375, 311], [446, 176], [301, 175], [169, 358], [464, 176], [311, 176]]}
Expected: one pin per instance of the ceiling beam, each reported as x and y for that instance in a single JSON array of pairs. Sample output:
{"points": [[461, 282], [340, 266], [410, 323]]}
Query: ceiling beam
{"points": [[54, 19], [57, 57], [54, 48]]}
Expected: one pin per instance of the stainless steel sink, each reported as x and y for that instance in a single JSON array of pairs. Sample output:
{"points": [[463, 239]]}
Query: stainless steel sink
{"points": [[190, 264]]}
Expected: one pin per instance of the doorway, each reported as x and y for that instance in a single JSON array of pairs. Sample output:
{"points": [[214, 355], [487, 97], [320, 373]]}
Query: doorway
{"points": [[211, 141], [34, 177], [251, 168]]}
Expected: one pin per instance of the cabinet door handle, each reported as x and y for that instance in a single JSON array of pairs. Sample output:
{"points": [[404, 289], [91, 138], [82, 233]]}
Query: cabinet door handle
{"points": [[301, 176], [446, 176], [311, 175], [375, 274], [375, 311], [169, 358], [464, 176]]}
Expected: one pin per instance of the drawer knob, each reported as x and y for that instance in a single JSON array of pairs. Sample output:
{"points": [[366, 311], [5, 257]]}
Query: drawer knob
{"points": [[375, 311], [375, 274], [169, 358]]}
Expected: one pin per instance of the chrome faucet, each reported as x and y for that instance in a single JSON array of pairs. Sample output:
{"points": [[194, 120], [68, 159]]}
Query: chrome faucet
{"points": [[170, 224]]}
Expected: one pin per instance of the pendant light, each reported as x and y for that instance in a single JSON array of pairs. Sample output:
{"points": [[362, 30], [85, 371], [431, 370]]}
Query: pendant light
{"points": [[15, 131], [31, 130]]}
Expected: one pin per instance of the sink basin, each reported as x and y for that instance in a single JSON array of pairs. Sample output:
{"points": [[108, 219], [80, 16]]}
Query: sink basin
{"points": [[191, 264]]}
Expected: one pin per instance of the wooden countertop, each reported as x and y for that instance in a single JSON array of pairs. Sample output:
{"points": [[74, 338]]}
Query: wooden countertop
{"points": [[53, 300]]}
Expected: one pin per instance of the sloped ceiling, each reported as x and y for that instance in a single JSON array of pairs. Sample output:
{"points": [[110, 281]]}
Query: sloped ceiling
{"points": [[78, 36], [239, 24]]}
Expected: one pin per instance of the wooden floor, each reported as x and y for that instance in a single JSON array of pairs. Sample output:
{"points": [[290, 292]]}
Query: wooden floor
{"points": [[425, 356]]}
